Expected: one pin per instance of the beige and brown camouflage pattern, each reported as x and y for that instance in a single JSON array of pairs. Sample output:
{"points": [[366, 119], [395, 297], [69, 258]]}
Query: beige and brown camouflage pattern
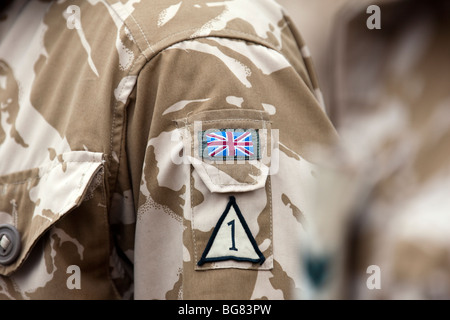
{"points": [[387, 198], [99, 163]]}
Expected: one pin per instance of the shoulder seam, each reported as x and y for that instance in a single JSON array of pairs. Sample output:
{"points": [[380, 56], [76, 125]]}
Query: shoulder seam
{"points": [[173, 38], [149, 49], [186, 35]]}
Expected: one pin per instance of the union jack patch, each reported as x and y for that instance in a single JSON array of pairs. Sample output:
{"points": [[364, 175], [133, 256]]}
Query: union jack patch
{"points": [[229, 144]]}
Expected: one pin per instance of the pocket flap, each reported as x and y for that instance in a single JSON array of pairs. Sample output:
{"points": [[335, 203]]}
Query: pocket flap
{"points": [[32, 201], [229, 149]]}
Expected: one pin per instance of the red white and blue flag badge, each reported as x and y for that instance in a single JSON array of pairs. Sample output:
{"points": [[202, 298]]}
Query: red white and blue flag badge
{"points": [[229, 144]]}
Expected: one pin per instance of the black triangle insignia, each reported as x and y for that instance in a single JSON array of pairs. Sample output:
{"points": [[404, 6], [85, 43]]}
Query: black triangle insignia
{"points": [[231, 251]]}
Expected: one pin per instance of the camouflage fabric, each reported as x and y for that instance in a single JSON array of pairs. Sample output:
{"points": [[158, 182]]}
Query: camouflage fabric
{"points": [[106, 111], [383, 232]]}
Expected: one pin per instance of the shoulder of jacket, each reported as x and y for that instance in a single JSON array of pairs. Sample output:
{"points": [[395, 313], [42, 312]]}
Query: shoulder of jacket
{"points": [[158, 24]]}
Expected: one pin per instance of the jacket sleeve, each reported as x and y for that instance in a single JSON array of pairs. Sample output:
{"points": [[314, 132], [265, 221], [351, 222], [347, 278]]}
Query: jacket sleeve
{"points": [[219, 144]]}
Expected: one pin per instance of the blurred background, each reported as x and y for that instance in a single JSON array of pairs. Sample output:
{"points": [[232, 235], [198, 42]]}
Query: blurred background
{"points": [[382, 225]]}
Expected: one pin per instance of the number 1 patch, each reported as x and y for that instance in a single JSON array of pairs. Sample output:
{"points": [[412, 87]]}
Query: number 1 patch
{"points": [[231, 239]]}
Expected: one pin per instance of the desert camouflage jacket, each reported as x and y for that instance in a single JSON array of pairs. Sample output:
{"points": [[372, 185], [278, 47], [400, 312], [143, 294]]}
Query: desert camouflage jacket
{"points": [[155, 149]]}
